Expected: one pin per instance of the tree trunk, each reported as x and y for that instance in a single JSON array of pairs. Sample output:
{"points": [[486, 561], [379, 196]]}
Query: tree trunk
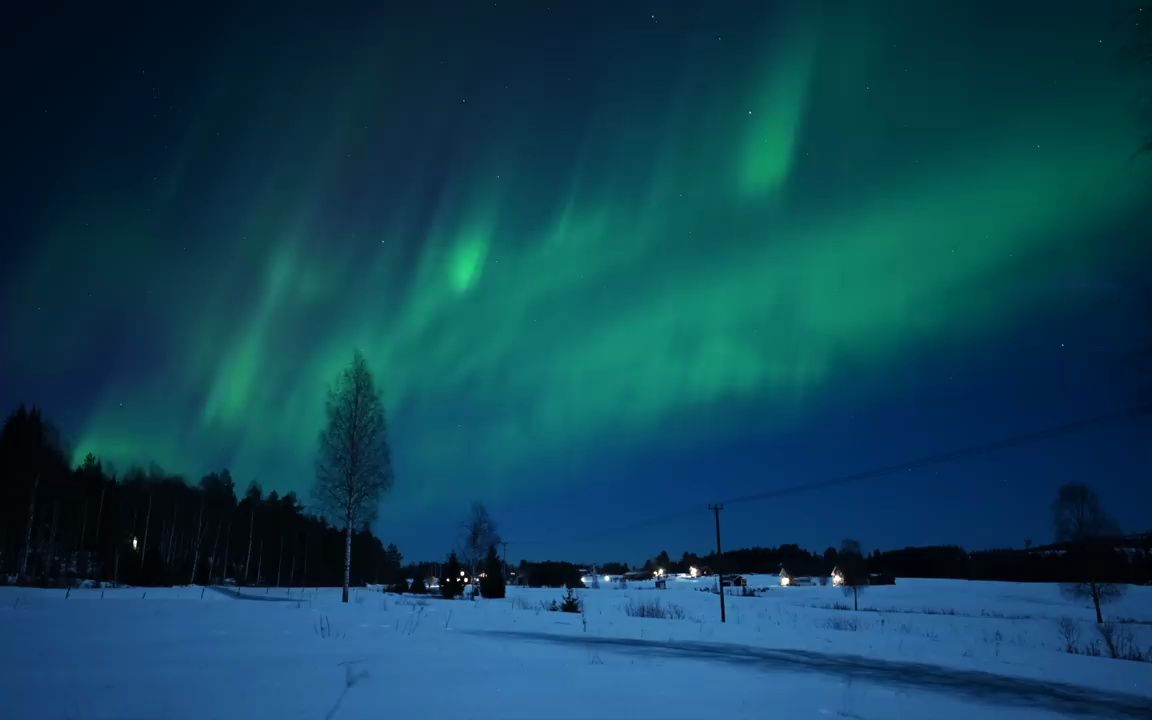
{"points": [[28, 530], [347, 557], [50, 561], [199, 534], [227, 547], [212, 560], [292, 562], [251, 527], [855, 598], [83, 569], [147, 522], [1096, 601], [280, 561], [304, 574], [260, 561], [100, 511], [171, 540], [99, 518]]}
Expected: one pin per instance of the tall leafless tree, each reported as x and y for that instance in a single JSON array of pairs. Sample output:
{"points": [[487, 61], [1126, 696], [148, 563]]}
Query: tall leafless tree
{"points": [[1088, 534], [354, 464], [477, 533], [852, 571]]}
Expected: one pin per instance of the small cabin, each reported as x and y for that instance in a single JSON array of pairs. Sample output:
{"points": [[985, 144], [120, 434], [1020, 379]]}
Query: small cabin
{"points": [[787, 579]]}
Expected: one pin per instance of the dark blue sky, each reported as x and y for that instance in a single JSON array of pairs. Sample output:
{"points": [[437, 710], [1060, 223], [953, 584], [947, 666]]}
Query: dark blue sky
{"points": [[609, 262]]}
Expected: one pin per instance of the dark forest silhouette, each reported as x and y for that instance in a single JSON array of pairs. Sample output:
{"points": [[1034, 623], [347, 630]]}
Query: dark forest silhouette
{"points": [[60, 525]]}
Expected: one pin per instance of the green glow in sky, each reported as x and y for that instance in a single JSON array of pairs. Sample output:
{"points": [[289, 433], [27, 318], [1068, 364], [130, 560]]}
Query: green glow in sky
{"points": [[816, 204]]}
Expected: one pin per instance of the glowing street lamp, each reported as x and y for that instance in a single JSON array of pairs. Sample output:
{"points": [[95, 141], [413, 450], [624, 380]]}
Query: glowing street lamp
{"points": [[135, 542], [693, 571]]}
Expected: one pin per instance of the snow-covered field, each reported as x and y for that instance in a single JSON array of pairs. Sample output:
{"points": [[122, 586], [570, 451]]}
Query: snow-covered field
{"points": [[918, 649]]}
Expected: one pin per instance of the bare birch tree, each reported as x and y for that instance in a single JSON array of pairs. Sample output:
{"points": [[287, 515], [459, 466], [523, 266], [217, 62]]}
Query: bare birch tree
{"points": [[354, 464], [1089, 535], [478, 532]]}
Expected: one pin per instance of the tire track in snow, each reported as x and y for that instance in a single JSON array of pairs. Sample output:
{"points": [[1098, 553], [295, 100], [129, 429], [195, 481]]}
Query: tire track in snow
{"points": [[987, 687]]}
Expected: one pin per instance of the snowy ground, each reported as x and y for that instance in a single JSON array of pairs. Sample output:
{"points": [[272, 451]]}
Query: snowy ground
{"points": [[939, 649]]}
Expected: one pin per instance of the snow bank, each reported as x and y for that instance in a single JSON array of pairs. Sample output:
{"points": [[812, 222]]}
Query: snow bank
{"points": [[195, 653]]}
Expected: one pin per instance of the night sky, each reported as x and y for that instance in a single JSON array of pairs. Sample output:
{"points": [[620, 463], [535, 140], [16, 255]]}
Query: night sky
{"points": [[609, 261]]}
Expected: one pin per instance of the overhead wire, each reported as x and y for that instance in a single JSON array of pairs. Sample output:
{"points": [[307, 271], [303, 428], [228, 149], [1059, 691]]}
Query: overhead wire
{"points": [[941, 458]]}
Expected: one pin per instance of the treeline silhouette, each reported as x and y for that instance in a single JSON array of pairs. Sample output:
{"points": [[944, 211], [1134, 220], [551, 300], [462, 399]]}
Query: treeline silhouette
{"points": [[61, 525], [1127, 559]]}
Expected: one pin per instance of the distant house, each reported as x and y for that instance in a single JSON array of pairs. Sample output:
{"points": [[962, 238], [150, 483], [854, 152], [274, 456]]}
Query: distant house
{"points": [[789, 580], [870, 579]]}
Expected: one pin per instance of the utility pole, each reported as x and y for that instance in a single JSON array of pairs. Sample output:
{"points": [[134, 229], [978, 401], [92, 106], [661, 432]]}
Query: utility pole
{"points": [[719, 555], [504, 560]]}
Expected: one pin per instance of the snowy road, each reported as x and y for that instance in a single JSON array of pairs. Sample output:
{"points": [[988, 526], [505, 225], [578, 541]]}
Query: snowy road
{"points": [[987, 688], [192, 653]]}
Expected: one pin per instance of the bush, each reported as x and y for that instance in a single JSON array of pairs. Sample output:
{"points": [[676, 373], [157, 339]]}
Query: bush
{"points": [[400, 586], [1121, 643], [570, 603], [846, 624], [653, 609], [418, 587], [1069, 633]]}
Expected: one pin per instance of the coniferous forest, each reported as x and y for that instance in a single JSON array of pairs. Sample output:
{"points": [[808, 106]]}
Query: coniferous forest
{"points": [[61, 524]]}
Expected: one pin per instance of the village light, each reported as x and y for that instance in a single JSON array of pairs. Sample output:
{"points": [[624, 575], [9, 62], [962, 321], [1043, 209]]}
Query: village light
{"points": [[134, 542], [785, 581], [693, 571], [607, 579]]}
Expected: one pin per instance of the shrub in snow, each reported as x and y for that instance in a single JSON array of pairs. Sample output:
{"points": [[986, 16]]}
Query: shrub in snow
{"points": [[570, 603], [418, 587], [1069, 633], [400, 586], [1121, 643], [653, 609], [846, 624], [492, 581]]}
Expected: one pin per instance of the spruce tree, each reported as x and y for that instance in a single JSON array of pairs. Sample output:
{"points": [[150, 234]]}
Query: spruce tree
{"points": [[492, 582], [452, 582]]}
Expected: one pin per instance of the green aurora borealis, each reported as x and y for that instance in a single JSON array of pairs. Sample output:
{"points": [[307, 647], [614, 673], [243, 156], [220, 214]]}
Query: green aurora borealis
{"points": [[545, 257]]}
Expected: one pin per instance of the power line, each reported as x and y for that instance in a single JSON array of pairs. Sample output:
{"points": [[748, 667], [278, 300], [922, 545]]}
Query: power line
{"points": [[1012, 441], [1006, 443]]}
